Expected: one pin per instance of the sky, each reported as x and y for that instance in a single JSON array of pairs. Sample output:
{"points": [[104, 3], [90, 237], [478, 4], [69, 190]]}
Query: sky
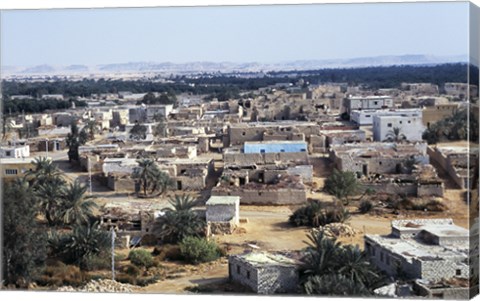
{"points": [[263, 34]]}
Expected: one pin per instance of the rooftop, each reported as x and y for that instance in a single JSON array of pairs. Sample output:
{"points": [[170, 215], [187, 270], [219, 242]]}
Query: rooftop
{"points": [[259, 259], [223, 200]]}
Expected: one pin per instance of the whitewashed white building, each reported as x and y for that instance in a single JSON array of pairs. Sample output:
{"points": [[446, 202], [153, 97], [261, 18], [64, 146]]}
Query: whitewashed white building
{"points": [[410, 127], [16, 152], [365, 117], [368, 103]]}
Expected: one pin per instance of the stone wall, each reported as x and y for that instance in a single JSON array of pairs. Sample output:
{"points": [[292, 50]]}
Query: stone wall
{"points": [[268, 279], [220, 228], [261, 196], [450, 293], [231, 158]]}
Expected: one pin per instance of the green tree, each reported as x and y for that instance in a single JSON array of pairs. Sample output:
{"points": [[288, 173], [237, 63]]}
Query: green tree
{"points": [[196, 250], [24, 247], [76, 207], [342, 184], [329, 268], [79, 245], [138, 132], [43, 171], [181, 221], [152, 180], [395, 135], [74, 140], [90, 129], [49, 199]]}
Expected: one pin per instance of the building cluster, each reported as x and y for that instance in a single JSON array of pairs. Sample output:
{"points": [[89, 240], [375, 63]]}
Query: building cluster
{"points": [[265, 149]]}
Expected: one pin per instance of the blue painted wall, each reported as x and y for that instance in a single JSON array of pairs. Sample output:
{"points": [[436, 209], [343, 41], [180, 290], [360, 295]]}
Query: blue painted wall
{"points": [[256, 148]]}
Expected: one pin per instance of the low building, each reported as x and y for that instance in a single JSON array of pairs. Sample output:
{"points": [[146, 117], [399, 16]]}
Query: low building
{"points": [[286, 190], [410, 128], [367, 102], [436, 113], [377, 158], [456, 161], [223, 214], [14, 168], [428, 249], [274, 147], [365, 117], [264, 273], [19, 151]]}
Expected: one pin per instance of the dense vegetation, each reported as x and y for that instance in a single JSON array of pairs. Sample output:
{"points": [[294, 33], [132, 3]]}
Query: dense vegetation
{"points": [[330, 268], [461, 126], [47, 219], [316, 213], [224, 87]]}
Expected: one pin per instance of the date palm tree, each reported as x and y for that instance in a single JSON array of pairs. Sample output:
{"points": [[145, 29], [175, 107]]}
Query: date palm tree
{"points": [[43, 171], [49, 199], [151, 178], [180, 221], [77, 207], [395, 135]]}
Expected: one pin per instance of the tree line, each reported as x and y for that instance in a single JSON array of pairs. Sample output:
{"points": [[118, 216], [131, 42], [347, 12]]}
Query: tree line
{"points": [[223, 86]]}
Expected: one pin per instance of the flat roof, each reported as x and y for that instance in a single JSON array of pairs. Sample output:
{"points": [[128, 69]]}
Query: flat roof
{"points": [[276, 142], [411, 249], [263, 258], [223, 200]]}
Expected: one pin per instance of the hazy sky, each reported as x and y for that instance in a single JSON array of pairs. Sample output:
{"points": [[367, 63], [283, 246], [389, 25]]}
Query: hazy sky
{"points": [[237, 34]]}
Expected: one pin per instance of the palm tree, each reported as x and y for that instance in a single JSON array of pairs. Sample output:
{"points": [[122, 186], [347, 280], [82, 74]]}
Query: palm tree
{"points": [[356, 265], [90, 129], [395, 135], [320, 255], [180, 221], [43, 171], [181, 203], [77, 208], [151, 178], [329, 268], [49, 198]]}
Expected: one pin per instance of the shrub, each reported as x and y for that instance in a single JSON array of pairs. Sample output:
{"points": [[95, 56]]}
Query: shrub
{"points": [[61, 274], [196, 250], [365, 206], [316, 214], [141, 258], [131, 270], [100, 262], [170, 252], [125, 278]]}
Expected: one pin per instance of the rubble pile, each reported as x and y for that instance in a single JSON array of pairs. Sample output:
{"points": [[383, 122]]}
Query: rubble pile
{"points": [[101, 286], [337, 230]]}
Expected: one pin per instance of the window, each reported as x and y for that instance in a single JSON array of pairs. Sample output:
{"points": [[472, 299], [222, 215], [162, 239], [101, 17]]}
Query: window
{"points": [[379, 162], [243, 134], [400, 122], [248, 274], [409, 121], [458, 272], [238, 269], [8, 153], [262, 151], [381, 256], [282, 150], [388, 260], [11, 171], [389, 125], [375, 102], [303, 150], [368, 116]]}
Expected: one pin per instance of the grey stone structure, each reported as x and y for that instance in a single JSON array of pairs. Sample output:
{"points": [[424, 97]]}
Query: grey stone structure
{"points": [[264, 273], [428, 249]]}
